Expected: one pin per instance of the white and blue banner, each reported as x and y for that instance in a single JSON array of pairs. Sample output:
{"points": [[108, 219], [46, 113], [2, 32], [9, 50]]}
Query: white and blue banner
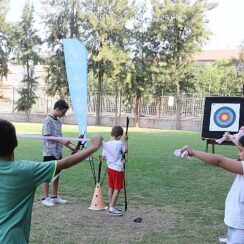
{"points": [[75, 54]]}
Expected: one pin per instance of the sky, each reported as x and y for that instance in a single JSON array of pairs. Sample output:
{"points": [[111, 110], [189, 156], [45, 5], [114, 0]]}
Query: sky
{"points": [[225, 22]]}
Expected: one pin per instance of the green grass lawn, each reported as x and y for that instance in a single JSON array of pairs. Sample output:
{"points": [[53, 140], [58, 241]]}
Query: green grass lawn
{"points": [[190, 191]]}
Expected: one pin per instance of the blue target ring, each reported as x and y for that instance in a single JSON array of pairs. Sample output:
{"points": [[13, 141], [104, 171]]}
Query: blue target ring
{"points": [[224, 117]]}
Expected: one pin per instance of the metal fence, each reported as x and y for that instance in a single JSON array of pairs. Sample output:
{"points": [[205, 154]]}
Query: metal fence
{"points": [[192, 105]]}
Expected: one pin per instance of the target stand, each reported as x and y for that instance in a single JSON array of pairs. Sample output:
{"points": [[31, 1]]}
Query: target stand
{"points": [[221, 114], [212, 142]]}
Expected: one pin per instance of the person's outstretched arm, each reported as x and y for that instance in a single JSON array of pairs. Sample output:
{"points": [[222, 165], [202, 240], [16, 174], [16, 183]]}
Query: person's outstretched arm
{"points": [[67, 162], [228, 164]]}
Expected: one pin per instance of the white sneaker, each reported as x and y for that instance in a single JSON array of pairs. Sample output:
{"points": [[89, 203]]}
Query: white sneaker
{"points": [[119, 209], [47, 202], [58, 200], [222, 239], [114, 211]]}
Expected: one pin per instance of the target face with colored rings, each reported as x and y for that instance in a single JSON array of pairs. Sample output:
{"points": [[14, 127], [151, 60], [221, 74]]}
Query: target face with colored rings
{"points": [[224, 117]]}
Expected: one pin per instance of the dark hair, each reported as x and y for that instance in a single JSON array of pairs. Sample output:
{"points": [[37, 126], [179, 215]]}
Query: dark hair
{"points": [[8, 139], [61, 104], [241, 141], [117, 131]]}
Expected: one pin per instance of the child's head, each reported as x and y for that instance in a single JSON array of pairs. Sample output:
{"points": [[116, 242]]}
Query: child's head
{"points": [[61, 108], [241, 141], [8, 139], [117, 131], [240, 153]]}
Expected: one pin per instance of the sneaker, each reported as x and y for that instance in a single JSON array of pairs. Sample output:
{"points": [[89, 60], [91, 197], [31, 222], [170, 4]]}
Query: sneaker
{"points": [[222, 239], [47, 202], [58, 200], [107, 207], [114, 211]]}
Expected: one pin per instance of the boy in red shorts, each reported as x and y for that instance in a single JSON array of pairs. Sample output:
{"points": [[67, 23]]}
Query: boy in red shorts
{"points": [[115, 171]]}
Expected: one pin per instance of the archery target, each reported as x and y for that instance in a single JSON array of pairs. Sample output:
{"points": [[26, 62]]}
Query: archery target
{"points": [[224, 117]]}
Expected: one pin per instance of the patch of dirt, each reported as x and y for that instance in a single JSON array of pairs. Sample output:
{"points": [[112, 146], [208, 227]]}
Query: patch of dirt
{"points": [[74, 223]]}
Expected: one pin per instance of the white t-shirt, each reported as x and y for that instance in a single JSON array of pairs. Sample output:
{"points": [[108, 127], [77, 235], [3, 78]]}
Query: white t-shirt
{"points": [[113, 152], [234, 203]]}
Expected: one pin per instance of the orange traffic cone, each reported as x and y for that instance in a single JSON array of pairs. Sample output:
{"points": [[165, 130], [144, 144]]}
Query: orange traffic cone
{"points": [[97, 200]]}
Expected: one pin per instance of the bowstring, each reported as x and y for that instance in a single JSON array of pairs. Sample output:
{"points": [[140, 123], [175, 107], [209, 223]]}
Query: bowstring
{"points": [[91, 161]]}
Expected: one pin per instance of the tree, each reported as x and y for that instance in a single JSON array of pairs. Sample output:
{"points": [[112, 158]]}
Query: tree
{"points": [[104, 34], [26, 51], [178, 30], [62, 19], [220, 77], [141, 72], [4, 47], [240, 68]]}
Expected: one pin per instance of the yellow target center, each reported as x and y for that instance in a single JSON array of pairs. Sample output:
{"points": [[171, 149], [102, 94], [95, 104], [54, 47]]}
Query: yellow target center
{"points": [[224, 117]]}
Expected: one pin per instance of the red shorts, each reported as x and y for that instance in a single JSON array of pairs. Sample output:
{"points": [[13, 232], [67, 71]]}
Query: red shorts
{"points": [[115, 179]]}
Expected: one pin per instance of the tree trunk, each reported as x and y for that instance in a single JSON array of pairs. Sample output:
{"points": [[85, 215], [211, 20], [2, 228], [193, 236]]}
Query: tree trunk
{"points": [[158, 106], [178, 107], [137, 109], [99, 97], [28, 84], [116, 103]]}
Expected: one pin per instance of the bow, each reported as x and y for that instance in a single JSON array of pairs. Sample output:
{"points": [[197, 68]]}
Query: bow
{"points": [[125, 158], [79, 146], [73, 151]]}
